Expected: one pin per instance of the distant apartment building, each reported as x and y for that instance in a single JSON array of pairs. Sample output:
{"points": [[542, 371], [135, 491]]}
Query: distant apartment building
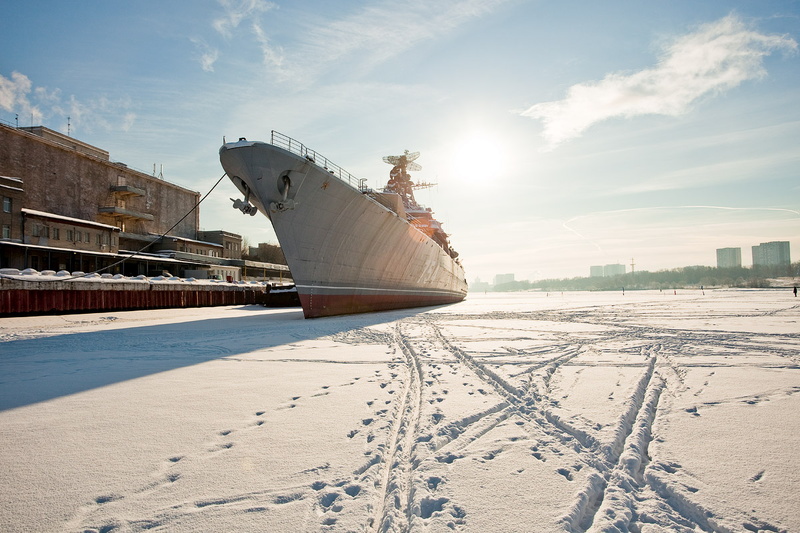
{"points": [[606, 271], [479, 285], [729, 257], [774, 253], [500, 279], [613, 270]]}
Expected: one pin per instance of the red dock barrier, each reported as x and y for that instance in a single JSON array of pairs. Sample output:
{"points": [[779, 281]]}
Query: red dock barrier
{"points": [[23, 297]]}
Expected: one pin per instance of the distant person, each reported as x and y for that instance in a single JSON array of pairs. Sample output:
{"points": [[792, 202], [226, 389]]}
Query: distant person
{"points": [[795, 291]]}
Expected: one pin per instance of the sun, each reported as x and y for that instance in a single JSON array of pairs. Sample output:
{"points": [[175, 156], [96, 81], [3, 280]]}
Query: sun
{"points": [[478, 156]]}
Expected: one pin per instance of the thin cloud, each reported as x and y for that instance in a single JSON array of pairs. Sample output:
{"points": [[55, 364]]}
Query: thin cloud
{"points": [[385, 29], [235, 14], [273, 55], [208, 55], [366, 37], [719, 56], [14, 96], [37, 104], [237, 11]]}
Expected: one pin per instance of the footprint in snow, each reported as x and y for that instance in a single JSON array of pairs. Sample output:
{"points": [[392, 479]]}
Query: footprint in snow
{"points": [[488, 456], [428, 506], [670, 468], [327, 499], [433, 482], [566, 473], [352, 490]]}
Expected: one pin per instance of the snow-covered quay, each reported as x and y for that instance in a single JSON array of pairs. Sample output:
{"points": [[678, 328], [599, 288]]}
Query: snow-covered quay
{"points": [[648, 411]]}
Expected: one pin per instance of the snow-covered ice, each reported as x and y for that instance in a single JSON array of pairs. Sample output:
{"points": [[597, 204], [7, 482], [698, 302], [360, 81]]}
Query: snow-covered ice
{"points": [[648, 411]]}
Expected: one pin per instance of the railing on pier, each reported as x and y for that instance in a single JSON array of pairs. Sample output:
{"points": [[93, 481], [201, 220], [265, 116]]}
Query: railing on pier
{"points": [[296, 147]]}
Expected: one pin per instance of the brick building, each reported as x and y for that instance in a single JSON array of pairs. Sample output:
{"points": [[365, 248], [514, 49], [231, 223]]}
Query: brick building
{"points": [[67, 206]]}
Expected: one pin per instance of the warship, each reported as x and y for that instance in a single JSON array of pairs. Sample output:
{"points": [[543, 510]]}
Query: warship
{"points": [[350, 248]]}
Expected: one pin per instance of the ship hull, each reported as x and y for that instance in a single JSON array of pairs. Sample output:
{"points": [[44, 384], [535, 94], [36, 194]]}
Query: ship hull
{"points": [[347, 252]]}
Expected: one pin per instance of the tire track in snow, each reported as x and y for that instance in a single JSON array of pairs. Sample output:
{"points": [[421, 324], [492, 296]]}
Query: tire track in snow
{"points": [[583, 512], [612, 498], [395, 497], [618, 463], [525, 404]]}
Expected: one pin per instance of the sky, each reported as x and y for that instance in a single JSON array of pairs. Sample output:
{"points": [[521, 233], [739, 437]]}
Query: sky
{"points": [[560, 135]]}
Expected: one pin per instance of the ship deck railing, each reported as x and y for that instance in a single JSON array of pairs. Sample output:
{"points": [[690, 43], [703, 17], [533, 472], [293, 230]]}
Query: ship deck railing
{"points": [[296, 147]]}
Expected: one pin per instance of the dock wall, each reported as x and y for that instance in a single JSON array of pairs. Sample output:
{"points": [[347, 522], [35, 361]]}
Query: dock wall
{"points": [[46, 297]]}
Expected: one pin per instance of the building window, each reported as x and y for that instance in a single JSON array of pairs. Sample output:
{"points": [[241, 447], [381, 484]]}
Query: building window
{"points": [[46, 232], [87, 237], [70, 235], [56, 234], [36, 230], [6, 231], [6, 204], [99, 239]]}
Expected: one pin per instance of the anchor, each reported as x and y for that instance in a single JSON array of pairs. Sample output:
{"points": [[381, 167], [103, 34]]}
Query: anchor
{"points": [[244, 205]]}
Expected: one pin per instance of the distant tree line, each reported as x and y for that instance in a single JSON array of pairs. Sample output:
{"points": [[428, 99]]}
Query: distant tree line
{"points": [[678, 278]]}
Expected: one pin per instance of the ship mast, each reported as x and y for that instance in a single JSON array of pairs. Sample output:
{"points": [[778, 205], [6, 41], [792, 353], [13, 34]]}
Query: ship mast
{"points": [[399, 178]]}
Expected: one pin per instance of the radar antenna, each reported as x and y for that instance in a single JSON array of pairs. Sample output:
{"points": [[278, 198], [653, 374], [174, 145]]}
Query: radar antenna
{"points": [[399, 179], [406, 160]]}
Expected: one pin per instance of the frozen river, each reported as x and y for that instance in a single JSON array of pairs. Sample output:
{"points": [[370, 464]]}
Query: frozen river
{"points": [[642, 412]]}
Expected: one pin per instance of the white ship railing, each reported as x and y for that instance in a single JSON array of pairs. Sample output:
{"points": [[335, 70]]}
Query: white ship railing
{"points": [[296, 147]]}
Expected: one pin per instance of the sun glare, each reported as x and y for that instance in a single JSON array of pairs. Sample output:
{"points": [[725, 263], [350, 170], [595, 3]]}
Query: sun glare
{"points": [[478, 156]]}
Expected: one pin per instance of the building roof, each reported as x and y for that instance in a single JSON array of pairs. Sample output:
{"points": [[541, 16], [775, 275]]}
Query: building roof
{"points": [[62, 218]]}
